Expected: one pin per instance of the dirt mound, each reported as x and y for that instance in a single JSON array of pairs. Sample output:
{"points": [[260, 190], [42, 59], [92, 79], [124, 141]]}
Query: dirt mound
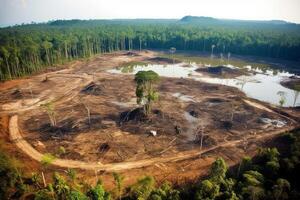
{"points": [[194, 110], [135, 121], [221, 71], [130, 53], [292, 83], [162, 60], [17, 94], [132, 115], [92, 89]]}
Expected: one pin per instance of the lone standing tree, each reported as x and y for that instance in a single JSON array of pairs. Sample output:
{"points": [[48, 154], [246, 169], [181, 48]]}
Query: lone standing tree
{"points": [[145, 92], [172, 51]]}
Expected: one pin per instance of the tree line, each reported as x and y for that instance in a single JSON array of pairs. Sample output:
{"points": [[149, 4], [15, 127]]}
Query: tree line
{"points": [[270, 175], [29, 48]]}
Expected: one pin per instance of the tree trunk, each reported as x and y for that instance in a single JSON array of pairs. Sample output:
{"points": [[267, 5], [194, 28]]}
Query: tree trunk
{"points": [[44, 180], [140, 44], [8, 68]]}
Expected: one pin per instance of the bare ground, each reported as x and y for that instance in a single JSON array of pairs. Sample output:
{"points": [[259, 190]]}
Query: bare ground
{"points": [[229, 119]]}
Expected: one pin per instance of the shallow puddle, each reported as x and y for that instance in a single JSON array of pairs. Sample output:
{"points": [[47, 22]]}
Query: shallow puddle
{"points": [[264, 86]]}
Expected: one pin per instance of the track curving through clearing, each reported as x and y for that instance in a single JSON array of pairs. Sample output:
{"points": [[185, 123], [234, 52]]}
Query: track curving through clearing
{"points": [[22, 144]]}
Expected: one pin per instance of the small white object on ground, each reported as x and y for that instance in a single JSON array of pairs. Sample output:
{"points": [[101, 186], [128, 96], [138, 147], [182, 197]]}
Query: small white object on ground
{"points": [[154, 133]]}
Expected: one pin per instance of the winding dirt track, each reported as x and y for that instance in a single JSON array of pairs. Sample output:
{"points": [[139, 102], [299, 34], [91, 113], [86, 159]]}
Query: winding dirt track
{"points": [[21, 143]]}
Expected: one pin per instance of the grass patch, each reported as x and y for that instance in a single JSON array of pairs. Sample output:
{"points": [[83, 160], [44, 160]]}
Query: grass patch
{"points": [[47, 159], [129, 67]]}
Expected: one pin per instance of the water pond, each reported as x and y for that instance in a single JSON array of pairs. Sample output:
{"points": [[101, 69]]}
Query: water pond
{"points": [[262, 85]]}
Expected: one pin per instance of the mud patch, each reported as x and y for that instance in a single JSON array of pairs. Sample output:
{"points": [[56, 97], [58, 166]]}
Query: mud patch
{"points": [[161, 60], [222, 71], [292, 83], [130, 53]]}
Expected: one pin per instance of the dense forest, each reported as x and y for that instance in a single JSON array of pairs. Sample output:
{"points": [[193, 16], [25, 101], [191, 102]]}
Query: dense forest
{"points": [[28, 48], [272, 174]]}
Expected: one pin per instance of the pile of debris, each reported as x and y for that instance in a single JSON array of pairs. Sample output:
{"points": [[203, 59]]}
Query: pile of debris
{"points": [[92, 89]]}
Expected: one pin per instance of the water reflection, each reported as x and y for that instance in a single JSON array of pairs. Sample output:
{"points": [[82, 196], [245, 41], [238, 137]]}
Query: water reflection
{"points": [[262, 84]]}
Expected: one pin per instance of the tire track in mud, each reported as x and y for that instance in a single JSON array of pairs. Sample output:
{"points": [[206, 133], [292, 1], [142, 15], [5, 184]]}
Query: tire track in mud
{"points": [[68, 95], [22, 144]]}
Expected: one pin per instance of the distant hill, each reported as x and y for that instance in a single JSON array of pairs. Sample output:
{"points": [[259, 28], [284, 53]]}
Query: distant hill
{"points": [[186, 20], [96, 22], [198, 19], [201, 20]]}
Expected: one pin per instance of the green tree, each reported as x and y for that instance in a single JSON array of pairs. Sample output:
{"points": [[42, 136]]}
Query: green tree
{"points": [[208, 190], [98, 193], [144, 89], [47, 46], [165, 192], [281, 189], [253, 192], [49, 108], [43, 194], [77, 195], [5, 54], [118, 182], [47, 159], [245, 165], [60, 186], [253, 185], [143, 188], [8, 176], [172, 51], [218, 170], [282, 98]]}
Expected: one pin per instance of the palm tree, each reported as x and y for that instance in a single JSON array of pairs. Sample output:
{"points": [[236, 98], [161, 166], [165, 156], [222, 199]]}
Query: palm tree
{"points": [[5, 53], [47, 46]]}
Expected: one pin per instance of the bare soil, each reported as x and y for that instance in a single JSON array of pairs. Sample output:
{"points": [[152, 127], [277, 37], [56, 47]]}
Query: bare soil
{"points": [[98, 120], [292, 83], [222, 71]]}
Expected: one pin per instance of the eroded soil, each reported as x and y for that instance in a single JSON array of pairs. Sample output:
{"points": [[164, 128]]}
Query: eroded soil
{"points": [[90, 104]]}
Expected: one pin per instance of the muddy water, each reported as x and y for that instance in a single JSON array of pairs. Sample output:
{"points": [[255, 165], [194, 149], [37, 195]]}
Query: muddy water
{"points": [[264, 86]]}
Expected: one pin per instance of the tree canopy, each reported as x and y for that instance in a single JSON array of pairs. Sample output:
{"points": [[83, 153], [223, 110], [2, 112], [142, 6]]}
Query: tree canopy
{"points": [[145, 92], [28, 48]]}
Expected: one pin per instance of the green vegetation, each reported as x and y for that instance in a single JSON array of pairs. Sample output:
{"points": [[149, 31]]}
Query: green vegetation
{"points": [[145, 92], [282, 99], [118, 182], [30, 48], [50, 109], [47, 159], [10, 177], [129, 66], [269, 175]]}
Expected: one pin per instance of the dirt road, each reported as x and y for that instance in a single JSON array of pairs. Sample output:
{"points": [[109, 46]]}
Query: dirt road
{"points": [[21, 143], [80, 77]]}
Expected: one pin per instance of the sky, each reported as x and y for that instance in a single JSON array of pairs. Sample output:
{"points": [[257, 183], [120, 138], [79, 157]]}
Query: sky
{"points": [[25, 11]]}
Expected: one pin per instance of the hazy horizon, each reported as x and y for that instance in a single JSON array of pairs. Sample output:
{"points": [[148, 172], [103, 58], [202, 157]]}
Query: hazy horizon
{"points": [[26, 11]]}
